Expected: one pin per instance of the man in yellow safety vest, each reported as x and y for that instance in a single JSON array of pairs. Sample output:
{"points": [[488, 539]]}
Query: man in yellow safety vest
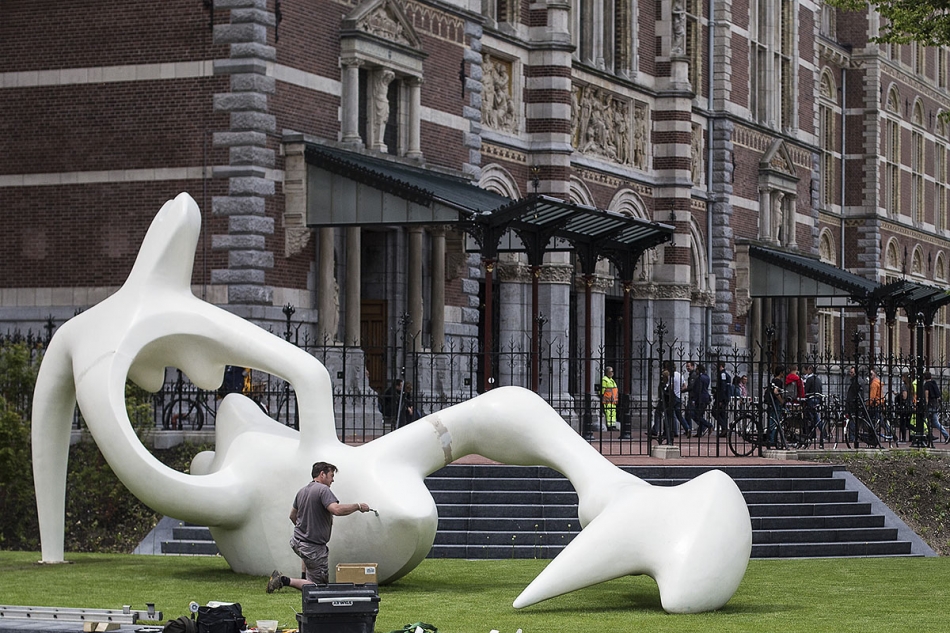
{"points": [[609, 395]]}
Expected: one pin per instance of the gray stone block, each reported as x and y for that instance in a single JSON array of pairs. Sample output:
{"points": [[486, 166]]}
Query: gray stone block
{"points": [[230, 139], [253, 121], [238, 171], [261, 295], [251, 187], [254, 49], [250, 259], [472, 57], [241, 242], [240, 101], [240, 4], [243, 65], [471, 140], [240, 276], [470, 315], [253, 83], [234, 33], [251, 224], [474, 29], [253, 16], [250, 155], [237, 205], [469, 286]]}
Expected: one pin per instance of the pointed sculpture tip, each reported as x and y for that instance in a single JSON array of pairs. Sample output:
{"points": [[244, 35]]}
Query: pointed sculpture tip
{"points": [[168, 250]]}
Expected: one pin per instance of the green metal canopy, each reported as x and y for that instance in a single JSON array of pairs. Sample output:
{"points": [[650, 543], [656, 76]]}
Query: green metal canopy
{"points": [[347, 188], [776, 273]]}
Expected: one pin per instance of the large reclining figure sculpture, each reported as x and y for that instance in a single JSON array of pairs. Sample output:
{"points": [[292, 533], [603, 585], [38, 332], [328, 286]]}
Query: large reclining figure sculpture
{"points": [[244, 488]]}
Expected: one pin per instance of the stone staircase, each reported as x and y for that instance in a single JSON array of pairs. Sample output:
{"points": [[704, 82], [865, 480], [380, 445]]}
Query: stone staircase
{"points": [[497, 512], [531, 512]]}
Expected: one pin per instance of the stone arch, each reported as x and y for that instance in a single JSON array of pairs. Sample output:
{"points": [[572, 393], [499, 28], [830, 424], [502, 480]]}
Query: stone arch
{"points": [[579, 193], [828, 88], [917, 262], [893, 103], [940, 267], [826, 247], [918, 113], [499, 180], [629, 203], [892, 259], [698, 279]]}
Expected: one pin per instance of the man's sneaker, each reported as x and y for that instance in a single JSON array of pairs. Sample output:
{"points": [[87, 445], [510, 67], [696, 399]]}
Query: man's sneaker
{"points": [[274, 583]]}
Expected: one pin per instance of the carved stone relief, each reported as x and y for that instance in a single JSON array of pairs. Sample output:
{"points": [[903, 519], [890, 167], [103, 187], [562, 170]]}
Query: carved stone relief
{"points": [[601, 124], [498, 103], [384, 23], [697, 164]]}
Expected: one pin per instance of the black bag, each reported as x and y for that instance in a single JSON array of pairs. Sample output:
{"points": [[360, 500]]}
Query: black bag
{"points": [[184, 624], [226, 618]]}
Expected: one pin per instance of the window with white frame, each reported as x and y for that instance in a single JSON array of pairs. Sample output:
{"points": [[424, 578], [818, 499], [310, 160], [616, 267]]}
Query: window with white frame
{"points": [[604, 34], [942, 67], [940, 178], [827, 114], [920, 59], [892, 155], [917, 166], [829, 16], [772, 62]]}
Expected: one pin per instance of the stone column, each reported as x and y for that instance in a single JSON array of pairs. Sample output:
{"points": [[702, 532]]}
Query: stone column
{"points": [[765, 215], [437, 309], [415, 286], [325, 290], [350, 102], [415, 109], [351, 334]]}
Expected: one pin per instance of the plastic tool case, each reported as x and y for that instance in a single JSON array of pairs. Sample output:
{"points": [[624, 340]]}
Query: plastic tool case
{"points": [[339, 608]]}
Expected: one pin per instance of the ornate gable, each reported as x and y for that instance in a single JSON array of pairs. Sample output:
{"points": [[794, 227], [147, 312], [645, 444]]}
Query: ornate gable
{"points": [[385, 20], [778, 159]]}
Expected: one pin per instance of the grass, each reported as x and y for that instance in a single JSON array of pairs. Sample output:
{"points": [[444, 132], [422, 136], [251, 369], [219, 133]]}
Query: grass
{"points": [[458, 596]]}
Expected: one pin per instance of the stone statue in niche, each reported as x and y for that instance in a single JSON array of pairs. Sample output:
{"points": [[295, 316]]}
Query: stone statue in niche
{"points": [[678, 43], [243, 488], [381, 80], [778, 217]]}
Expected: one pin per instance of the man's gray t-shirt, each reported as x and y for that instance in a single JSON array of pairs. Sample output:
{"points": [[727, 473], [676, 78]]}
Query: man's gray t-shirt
{"points": [[314, 521]]}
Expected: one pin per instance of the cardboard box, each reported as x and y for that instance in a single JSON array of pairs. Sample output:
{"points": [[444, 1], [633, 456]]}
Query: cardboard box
{"points": [[356, 573]]}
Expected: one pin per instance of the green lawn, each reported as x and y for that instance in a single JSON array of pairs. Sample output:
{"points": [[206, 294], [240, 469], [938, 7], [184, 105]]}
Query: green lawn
{"points": [[865, 595]]}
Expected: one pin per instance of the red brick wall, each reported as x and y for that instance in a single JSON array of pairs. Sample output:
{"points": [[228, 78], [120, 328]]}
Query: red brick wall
{"points": [[84, 33], [89, 235]]}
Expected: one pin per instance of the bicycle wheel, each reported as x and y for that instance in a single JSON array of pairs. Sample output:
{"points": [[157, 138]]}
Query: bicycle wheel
{"points": [[181, 412], [743, 435], [794, 429]]}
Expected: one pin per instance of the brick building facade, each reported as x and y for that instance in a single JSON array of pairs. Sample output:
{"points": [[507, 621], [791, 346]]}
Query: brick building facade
{"points": [[738, 122]]}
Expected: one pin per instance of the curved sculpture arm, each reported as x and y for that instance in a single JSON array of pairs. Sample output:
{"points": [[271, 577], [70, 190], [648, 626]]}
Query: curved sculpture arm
{"points": [[512, 426]]}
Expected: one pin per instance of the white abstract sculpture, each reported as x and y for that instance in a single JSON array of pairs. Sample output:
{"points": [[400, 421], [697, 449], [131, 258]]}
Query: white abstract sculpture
{"points": [[694, 539]]}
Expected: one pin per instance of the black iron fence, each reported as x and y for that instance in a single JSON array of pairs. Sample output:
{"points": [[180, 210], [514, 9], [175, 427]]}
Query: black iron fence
{"points": [[364, 400]]}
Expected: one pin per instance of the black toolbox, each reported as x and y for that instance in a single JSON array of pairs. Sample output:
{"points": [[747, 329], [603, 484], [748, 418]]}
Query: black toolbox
{"points": [[339, 608]]}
